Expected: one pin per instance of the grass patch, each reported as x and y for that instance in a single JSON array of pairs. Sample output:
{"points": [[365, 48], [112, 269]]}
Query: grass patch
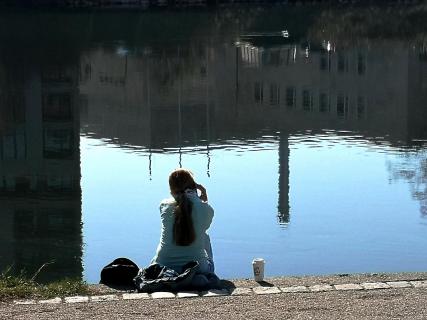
{"points": [[23, 287]]}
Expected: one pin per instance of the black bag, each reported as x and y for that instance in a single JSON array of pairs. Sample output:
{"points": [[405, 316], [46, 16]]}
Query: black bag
{"points": [[120, 272], [160, 278]]}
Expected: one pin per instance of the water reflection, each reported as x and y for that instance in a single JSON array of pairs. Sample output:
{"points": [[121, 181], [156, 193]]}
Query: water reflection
{"points": [[412, 167], [188, 94], [40, 196]]}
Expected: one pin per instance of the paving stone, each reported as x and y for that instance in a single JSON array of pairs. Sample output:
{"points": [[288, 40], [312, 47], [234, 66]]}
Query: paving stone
{"points": [[375, 285], [135, 296], [399, 284], [419, 284], [215, 293], [321, 288], [162, 295], [25, 302], [294, 289], [76, 299], [348, 286], [187, 294], [51, 301], [109, 297], [266, 290], [241, 292]]}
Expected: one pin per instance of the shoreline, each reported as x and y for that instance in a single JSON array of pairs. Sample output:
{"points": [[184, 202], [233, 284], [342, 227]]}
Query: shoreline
{"points": [[399, 296], [270, 285]]}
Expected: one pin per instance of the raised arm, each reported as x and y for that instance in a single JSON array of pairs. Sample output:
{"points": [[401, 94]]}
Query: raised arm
{"points": [[203, 194]]}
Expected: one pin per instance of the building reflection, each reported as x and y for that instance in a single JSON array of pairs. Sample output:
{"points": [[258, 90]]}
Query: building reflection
{"points": [[194, 96], [40, 196]]}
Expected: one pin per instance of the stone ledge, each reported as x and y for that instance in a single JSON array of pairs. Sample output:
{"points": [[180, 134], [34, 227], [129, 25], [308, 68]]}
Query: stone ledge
{"points": [[163, 295], [239, 291], [109, 297], [348, 286], [294, 289], [76, 299], [215, 293], [321, 288], [187, 294], [51, 301], [374, 285], [419, 284], [399, 284], [135, 296]]}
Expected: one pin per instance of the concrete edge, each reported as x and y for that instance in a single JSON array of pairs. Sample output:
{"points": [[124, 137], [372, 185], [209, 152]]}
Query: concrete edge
{"points": [[263, 288]]}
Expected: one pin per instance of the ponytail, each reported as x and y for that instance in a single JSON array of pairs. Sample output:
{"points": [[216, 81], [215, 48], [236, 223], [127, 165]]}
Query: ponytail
{"points": [[183, 229]]}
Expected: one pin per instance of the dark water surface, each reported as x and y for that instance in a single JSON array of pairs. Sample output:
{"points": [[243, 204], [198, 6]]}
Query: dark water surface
{"points": [[312, 143]]}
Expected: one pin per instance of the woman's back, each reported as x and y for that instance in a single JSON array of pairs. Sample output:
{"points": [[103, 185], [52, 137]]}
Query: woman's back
{"points": [[175, 256]]}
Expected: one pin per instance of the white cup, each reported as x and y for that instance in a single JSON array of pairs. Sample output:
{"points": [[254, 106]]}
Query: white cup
{"points": [[258, 266]]}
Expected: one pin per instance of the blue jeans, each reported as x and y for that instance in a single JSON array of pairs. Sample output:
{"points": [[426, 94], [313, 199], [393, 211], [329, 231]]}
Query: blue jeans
{"points": [[208, 248], [207, 280]]}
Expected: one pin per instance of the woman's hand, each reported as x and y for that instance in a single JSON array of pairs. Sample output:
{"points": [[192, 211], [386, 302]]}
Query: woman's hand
{"points": [[203, 194]]}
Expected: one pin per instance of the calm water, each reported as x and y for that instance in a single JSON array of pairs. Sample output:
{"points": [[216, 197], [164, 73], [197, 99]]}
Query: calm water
{"points": [[312, 143]]}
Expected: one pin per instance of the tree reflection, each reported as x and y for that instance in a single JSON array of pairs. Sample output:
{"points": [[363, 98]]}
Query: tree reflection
{"points": [[412, 168]]}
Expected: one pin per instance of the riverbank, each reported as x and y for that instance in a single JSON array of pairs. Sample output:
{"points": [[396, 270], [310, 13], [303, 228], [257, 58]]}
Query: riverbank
{"points": [[359, 296]]}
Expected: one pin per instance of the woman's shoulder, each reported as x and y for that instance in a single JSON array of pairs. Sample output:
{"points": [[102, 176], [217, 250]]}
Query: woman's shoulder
{"points": [[168, 202], [167, 207], [204, 206]]}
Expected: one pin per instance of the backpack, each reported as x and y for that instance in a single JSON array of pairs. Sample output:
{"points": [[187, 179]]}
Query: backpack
{"points": [[120, 272]]}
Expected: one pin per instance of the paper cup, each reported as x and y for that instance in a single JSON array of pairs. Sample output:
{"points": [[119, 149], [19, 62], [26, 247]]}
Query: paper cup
{"points": [[258, 266]]}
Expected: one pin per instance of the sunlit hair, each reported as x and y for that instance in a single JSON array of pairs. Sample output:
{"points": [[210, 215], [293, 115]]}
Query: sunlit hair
{"points": [[183, 229]]}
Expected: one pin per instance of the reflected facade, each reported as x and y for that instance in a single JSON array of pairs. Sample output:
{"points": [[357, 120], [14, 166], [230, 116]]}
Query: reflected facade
{"points": [[200, 96], [40, 196]]}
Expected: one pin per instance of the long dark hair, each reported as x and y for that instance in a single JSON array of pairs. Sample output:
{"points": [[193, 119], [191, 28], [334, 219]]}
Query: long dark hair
{"points": [[183, 229]]}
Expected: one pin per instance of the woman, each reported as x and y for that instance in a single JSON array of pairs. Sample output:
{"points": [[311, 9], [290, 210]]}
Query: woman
{"points": [[185, 219]]}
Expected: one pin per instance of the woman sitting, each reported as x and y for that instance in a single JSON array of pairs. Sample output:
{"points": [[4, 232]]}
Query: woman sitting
{"points": [[185, 219]]}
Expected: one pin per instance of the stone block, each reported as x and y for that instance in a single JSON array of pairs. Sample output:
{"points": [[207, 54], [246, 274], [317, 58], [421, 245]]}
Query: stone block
{"points": [[109, 297], [399, 284], [163, 295], [241, 292], [51, 301], [215, 293], [24, 302], [76, 299], [266, 290], [187, 294], [321, 288], [294, 289], [375, 285], [348, 286], [135, 296], [419, 284]]}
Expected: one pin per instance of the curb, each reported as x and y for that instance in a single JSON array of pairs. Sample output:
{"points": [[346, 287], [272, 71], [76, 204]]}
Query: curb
{"points": [[259, 290]]}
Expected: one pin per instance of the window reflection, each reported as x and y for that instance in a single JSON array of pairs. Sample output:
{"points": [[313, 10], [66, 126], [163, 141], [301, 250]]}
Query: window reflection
{"points": [[361, 107], [324, 103], [12, 107], [274, 94], [14, 145], [361, 63], [307, 100], [57, 143], [342, 106], [291, 94], [57, 107], [259, 92]]}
